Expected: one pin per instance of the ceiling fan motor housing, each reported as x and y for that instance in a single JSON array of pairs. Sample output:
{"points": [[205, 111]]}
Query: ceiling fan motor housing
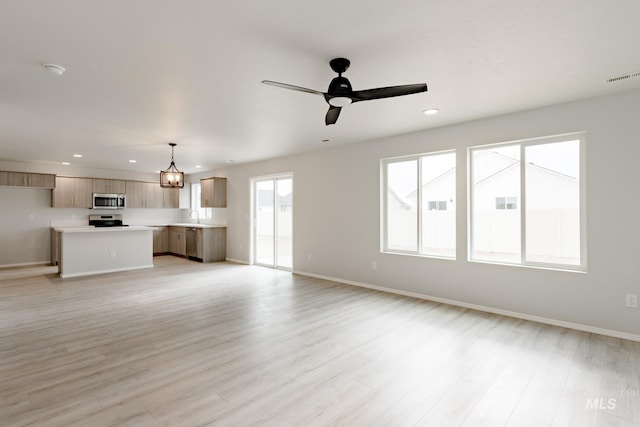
{"points": [[339, 65], [339, 86]]}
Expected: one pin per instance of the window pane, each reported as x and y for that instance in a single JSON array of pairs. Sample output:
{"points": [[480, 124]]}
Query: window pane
{"points": [[553, 203], [495, 230], [438, 182], [402, 212], [264, 237], [284, 220]]}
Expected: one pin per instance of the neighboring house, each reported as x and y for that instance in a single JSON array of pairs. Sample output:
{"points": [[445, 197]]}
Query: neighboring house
{"points": [[552, 201]]}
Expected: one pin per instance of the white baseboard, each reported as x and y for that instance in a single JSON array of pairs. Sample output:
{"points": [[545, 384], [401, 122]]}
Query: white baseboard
{"points": [[26, 264], [237, 261], [545, 320], [113, 270]]}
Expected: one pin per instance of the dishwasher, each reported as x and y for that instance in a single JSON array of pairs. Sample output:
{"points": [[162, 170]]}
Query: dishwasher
{"points": [[192, 239]]}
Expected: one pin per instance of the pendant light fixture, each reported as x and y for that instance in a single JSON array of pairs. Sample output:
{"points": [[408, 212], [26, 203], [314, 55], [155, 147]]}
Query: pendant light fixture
{"points": [[171, 177]]}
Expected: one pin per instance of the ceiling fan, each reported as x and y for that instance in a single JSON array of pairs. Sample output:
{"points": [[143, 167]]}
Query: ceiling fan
{"points": [[340, 93]]}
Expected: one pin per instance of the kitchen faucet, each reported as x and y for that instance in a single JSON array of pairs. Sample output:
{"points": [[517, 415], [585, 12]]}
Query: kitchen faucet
{"points": [[197, 215]]}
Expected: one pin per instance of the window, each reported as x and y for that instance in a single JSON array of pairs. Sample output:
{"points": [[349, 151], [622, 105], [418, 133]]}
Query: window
{"points": [[440, 205], [203, 213], [527, 202], [506, 203], [418, 211]]}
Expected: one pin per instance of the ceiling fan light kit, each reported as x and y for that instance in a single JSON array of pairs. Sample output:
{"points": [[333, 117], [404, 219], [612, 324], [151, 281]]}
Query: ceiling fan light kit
{"points": [[340, 94], [172, 177]]}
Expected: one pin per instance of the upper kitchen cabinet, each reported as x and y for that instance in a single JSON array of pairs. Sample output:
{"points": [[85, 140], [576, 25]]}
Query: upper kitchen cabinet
{"points": [[72, 192], [26, 179], [109, 186], [144, 195], [171, 198], [213, 192], [177, 198]]}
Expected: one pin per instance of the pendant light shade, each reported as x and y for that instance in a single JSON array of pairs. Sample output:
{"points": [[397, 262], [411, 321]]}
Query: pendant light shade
{"points": [[171, 177]]}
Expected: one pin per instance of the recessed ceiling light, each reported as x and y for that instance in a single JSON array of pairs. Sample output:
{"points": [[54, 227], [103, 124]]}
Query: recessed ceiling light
{"points": [[132, 161], [198, 166], [230, 161], [77, 155], [66, 163], [56, 69], [430, 111]]}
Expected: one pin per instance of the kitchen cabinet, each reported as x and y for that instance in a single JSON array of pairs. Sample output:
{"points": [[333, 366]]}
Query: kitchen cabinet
{"points": [[178, 240], [211, 244], [213, 192], [72, 192], [161, 240], [144, 195], [177, 198], [26, 179], [109, 186], [171, 198]]}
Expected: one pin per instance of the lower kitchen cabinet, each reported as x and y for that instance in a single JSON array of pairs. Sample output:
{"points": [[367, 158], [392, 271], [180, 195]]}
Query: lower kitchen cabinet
{"points": [[178, 240], [211, 244], [161, 240], [204, 244]]}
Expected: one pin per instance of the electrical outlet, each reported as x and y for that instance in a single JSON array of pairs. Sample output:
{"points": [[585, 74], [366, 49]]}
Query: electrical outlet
{"points": [[631, 300], [374, 265], [308, 257], [113, 254], [31, 216]]}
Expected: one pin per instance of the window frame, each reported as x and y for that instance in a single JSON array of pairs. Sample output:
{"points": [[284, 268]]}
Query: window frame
{"points": [[574, 136], [384, 234]]}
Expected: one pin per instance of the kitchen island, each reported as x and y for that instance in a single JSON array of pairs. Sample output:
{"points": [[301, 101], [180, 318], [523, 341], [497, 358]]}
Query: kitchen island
{"points": [[94, 250]]}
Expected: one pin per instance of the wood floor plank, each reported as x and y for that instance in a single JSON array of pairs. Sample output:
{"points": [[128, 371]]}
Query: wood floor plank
{"points": [[188, 344]]}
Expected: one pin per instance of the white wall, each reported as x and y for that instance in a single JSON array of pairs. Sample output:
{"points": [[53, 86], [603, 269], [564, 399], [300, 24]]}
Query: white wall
{"points": [[337, 216]]}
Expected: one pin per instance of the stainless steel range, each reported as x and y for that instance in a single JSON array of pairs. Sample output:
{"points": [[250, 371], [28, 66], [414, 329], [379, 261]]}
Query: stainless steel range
{"points": [[106, 220]]}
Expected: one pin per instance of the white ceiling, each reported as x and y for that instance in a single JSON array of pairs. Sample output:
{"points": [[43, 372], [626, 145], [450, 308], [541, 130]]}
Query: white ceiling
{"points": [[143, 73]]}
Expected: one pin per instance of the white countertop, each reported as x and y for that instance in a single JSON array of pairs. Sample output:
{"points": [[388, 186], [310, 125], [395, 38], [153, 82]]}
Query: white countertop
{"points": [[92, 229], [188, 224]]}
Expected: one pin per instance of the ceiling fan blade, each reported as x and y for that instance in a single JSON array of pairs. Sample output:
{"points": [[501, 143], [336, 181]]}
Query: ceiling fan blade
{"points": [[292, 87], [332, 115], [387, 92]]}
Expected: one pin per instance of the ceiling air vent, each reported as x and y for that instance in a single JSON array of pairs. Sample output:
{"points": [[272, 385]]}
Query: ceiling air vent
{"points": [[623, 77]]}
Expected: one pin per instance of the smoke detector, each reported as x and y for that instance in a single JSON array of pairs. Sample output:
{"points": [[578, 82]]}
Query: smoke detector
{"points": [[54, 69]]}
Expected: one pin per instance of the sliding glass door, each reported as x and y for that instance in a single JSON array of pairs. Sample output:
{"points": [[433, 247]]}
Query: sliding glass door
{"points": [[273, 222]]}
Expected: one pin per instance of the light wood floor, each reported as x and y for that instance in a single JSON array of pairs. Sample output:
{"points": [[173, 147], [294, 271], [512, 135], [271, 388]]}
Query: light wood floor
{"points": [[189, 344]]}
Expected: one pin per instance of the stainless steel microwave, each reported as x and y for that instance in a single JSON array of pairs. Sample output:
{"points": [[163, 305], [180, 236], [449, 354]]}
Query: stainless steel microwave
{"points": [[109, 201]]}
